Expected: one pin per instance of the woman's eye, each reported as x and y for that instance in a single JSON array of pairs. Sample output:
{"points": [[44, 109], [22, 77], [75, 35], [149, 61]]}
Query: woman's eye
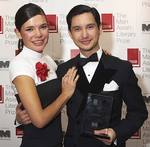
{"points": [[44, 26]]}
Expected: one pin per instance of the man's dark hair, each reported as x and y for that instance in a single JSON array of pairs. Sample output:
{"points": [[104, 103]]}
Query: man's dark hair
{"points": [[80, 9]]}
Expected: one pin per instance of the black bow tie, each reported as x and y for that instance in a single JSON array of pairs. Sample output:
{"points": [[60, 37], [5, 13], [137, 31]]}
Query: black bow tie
{"points": [[92, 58]]}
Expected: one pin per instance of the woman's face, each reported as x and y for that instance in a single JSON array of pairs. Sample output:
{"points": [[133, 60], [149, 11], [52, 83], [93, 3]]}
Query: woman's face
{"points": [[34, 33]]}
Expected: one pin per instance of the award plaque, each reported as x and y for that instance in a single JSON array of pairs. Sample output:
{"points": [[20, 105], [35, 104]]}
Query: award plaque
{"points": [[97, 113]]}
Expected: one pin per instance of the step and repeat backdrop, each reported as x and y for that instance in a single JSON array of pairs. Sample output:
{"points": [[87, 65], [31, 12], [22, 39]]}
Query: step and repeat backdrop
{"points": [[126, 34]]}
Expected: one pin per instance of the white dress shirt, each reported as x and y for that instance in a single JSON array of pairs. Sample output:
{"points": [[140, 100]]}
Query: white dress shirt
{"points": [[90, 67]]}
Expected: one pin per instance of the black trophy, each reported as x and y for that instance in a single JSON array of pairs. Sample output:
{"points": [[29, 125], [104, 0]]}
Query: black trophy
{"points": [[97, 113]]}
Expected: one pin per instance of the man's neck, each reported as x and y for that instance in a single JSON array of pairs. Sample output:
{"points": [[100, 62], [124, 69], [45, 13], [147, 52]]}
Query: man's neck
{"points": [[88, 53]]}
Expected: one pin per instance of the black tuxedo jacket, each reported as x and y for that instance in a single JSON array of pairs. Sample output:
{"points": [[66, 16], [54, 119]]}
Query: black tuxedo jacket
{"points": [[109, 68]]}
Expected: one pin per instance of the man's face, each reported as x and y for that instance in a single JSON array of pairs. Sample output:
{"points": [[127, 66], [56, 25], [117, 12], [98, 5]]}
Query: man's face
{"points": [[85, 33]]}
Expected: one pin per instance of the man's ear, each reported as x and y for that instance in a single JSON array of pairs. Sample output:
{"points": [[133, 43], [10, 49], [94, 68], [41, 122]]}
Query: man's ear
{"points": [[18, 33]]}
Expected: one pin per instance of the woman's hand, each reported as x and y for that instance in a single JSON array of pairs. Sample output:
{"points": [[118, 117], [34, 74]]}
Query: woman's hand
{"points": [[30, 99], [69, 82], [22, 116]]}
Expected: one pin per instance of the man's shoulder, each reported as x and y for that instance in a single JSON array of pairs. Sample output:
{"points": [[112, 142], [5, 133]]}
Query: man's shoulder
{"points": [[117, 62], [63, 67], [69, 63]]}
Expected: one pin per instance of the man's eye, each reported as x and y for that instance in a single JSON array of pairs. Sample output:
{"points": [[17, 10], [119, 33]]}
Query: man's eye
{"points": [[90, 26], [29, 29], [76, 29]]}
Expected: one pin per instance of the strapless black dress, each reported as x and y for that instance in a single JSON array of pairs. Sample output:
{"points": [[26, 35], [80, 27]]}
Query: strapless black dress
{"points": [[51, 134]]}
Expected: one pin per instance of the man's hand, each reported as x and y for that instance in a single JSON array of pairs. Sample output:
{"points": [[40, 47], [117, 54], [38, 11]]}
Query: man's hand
{"points": [[110, 132], [22, 116]]}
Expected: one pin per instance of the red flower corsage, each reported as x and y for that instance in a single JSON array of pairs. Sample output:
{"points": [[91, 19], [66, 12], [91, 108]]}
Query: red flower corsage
{"points": [[41, 70]]}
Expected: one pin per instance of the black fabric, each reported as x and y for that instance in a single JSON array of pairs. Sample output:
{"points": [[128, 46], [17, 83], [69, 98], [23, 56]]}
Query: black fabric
{"points": [[96, 85], [122, 73], [92, 58], [51, 134], [97, 113]]}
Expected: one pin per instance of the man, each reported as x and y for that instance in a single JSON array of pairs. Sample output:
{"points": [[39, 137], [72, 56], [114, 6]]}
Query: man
{"points": [[95, 76]]}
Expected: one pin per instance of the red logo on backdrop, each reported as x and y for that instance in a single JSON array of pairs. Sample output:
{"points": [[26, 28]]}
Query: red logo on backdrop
{"points": [[53, 23], [136, 135], [107, 22], [19, 131], [74, 52], [1, 25], [134, 56], [1, 94]]}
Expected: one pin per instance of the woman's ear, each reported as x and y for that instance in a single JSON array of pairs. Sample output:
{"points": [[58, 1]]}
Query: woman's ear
{"points": [[17, 33], [100, 29]]}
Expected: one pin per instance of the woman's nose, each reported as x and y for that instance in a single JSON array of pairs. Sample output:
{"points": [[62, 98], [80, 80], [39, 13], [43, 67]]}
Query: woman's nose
{"points": [[38, 33]]}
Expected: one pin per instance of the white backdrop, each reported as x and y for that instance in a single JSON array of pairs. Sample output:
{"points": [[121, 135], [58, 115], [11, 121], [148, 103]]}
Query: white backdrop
{"points": [[127, 35]]}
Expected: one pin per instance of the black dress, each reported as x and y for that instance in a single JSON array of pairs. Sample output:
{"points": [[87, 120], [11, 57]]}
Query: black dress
{"points": [[51, 134]]}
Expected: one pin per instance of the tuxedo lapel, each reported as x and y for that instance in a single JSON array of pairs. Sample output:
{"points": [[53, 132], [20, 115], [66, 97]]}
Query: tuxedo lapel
{"points": [[82, 84], [110, 63], [102, 75]]}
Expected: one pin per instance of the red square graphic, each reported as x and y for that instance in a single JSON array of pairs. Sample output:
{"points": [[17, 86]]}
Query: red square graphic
{"points": [[133, 55], [136, 135], [1, 94], [1, 25], [19, 131], [74, 52], [107, 22], [53, 23]]}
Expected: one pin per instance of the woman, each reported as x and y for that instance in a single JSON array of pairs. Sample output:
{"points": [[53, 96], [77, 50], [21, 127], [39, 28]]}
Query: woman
{"points": [[35, 82]]}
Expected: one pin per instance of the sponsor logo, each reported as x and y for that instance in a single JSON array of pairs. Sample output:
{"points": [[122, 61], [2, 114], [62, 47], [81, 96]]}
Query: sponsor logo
{"points": [[1, 25], [1, 94], [146, 27], [5, 134], [53, 23], [19, 131], [4, 64], [134, 56], [107, 22]]}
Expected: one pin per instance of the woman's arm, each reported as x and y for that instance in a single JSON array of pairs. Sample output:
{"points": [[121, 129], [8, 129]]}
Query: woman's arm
{"points": [[26, 88], [22, 116]]}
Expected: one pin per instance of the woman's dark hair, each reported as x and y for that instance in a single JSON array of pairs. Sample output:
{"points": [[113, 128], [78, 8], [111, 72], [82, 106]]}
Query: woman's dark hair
{"points": [[23, 14], [80, 9]]}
